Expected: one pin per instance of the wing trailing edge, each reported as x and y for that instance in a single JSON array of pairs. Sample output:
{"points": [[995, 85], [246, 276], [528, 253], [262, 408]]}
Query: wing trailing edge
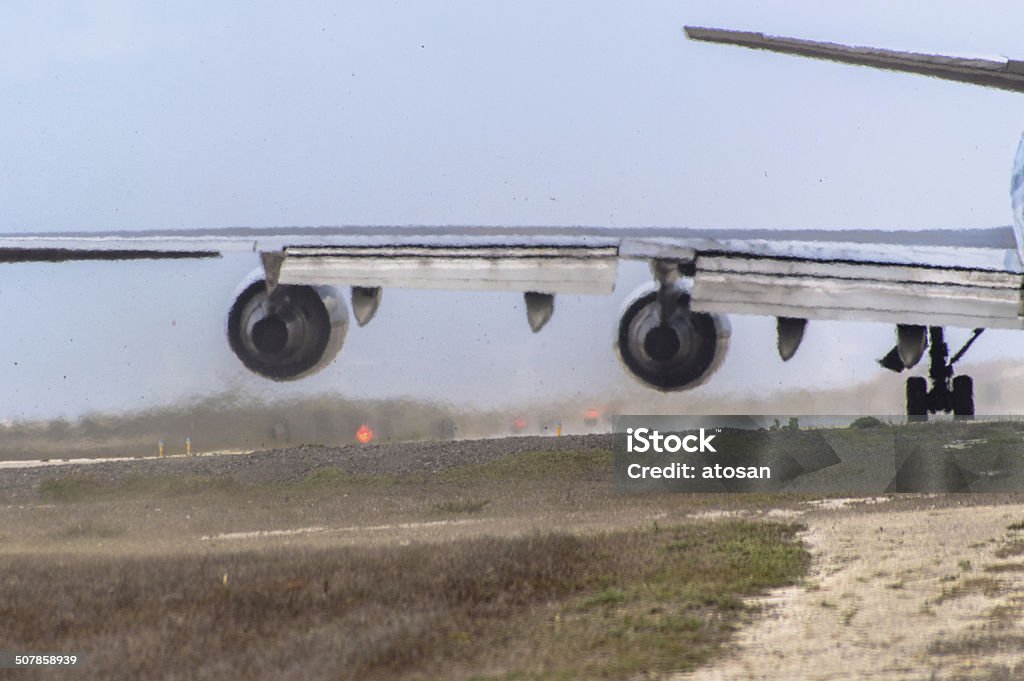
{"points": [[579, 269]]}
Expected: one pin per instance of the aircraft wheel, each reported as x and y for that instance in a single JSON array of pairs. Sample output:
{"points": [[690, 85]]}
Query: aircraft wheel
{"points": [[963, 397], [917, 398]]}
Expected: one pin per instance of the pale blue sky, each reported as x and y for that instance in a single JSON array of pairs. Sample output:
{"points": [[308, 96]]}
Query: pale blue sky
{"points": [[117, 115]]}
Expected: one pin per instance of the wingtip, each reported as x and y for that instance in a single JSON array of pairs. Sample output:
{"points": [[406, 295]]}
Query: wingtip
{"points": [[721, 35], [696, 32]]}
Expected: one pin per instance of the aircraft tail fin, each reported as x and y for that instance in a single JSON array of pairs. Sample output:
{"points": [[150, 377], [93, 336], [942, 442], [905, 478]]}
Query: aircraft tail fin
{"points": [[1004, 74]]}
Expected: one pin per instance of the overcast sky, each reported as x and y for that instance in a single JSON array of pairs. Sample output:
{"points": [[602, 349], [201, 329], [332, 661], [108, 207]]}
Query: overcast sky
{"points": [[179, 115]]}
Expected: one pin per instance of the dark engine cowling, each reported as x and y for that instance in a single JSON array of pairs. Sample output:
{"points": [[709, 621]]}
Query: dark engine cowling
{"points": [[678, 353], [294, 332]]}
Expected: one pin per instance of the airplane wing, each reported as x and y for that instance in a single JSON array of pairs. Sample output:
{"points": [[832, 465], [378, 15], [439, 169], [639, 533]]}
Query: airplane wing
{"points": [[1005, 74], [954, 278], [289, 318], [942, 295], [964, 278]]}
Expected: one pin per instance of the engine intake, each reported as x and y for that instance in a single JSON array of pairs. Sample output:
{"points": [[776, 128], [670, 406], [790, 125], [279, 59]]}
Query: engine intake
{"points": [[294, 332], [678, 352]]}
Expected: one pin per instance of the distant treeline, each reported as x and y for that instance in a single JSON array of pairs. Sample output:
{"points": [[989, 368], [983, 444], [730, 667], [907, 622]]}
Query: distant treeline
{"points": [[214, 423], [226, 423]]}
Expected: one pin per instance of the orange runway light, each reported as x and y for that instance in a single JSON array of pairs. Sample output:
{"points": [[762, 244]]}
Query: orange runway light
{"points": [[365, 434]]}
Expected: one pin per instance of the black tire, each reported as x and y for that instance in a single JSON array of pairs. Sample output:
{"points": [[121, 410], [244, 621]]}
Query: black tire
{"points": [[917, 398], [963, 397]]}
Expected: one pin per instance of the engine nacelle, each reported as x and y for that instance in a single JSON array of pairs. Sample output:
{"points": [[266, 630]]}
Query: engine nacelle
{"points": [[679, 353], [294, 332]]}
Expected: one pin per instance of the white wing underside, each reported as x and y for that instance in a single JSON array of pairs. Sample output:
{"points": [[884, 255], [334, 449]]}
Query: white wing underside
{"points": [[965, 278]]}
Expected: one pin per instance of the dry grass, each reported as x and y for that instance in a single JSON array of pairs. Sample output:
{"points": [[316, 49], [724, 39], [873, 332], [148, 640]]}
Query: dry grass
{"points": [[1010, 549], [987, 586], [460, 506], [90, 529], [994, 673], [546, 606], [84, 487]]}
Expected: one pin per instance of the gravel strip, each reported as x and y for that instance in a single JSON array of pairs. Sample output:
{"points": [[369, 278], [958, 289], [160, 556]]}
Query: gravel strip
{"points": [[295, 463]]}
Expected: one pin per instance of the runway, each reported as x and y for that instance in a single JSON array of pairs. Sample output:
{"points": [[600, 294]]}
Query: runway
{"points": [[49, 463]]}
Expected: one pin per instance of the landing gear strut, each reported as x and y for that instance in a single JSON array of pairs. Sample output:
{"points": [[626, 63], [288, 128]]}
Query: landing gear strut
{"points": [[948, 393]]}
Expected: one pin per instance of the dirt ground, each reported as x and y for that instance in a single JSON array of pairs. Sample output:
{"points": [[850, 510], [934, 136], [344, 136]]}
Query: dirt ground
{"points": [[934, 592]]}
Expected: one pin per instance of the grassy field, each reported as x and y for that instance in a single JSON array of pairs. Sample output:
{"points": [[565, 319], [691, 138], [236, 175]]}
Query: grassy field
{"points": [[556, 577], [542, 606]]}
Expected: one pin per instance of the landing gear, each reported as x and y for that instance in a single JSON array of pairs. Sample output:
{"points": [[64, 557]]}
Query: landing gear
{"points": [[948, 393], [963, 396], [917, 398]]}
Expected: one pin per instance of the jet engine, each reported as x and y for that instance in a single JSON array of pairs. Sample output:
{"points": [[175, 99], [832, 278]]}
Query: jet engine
{"points": [[667, 346], [288, 334]]}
